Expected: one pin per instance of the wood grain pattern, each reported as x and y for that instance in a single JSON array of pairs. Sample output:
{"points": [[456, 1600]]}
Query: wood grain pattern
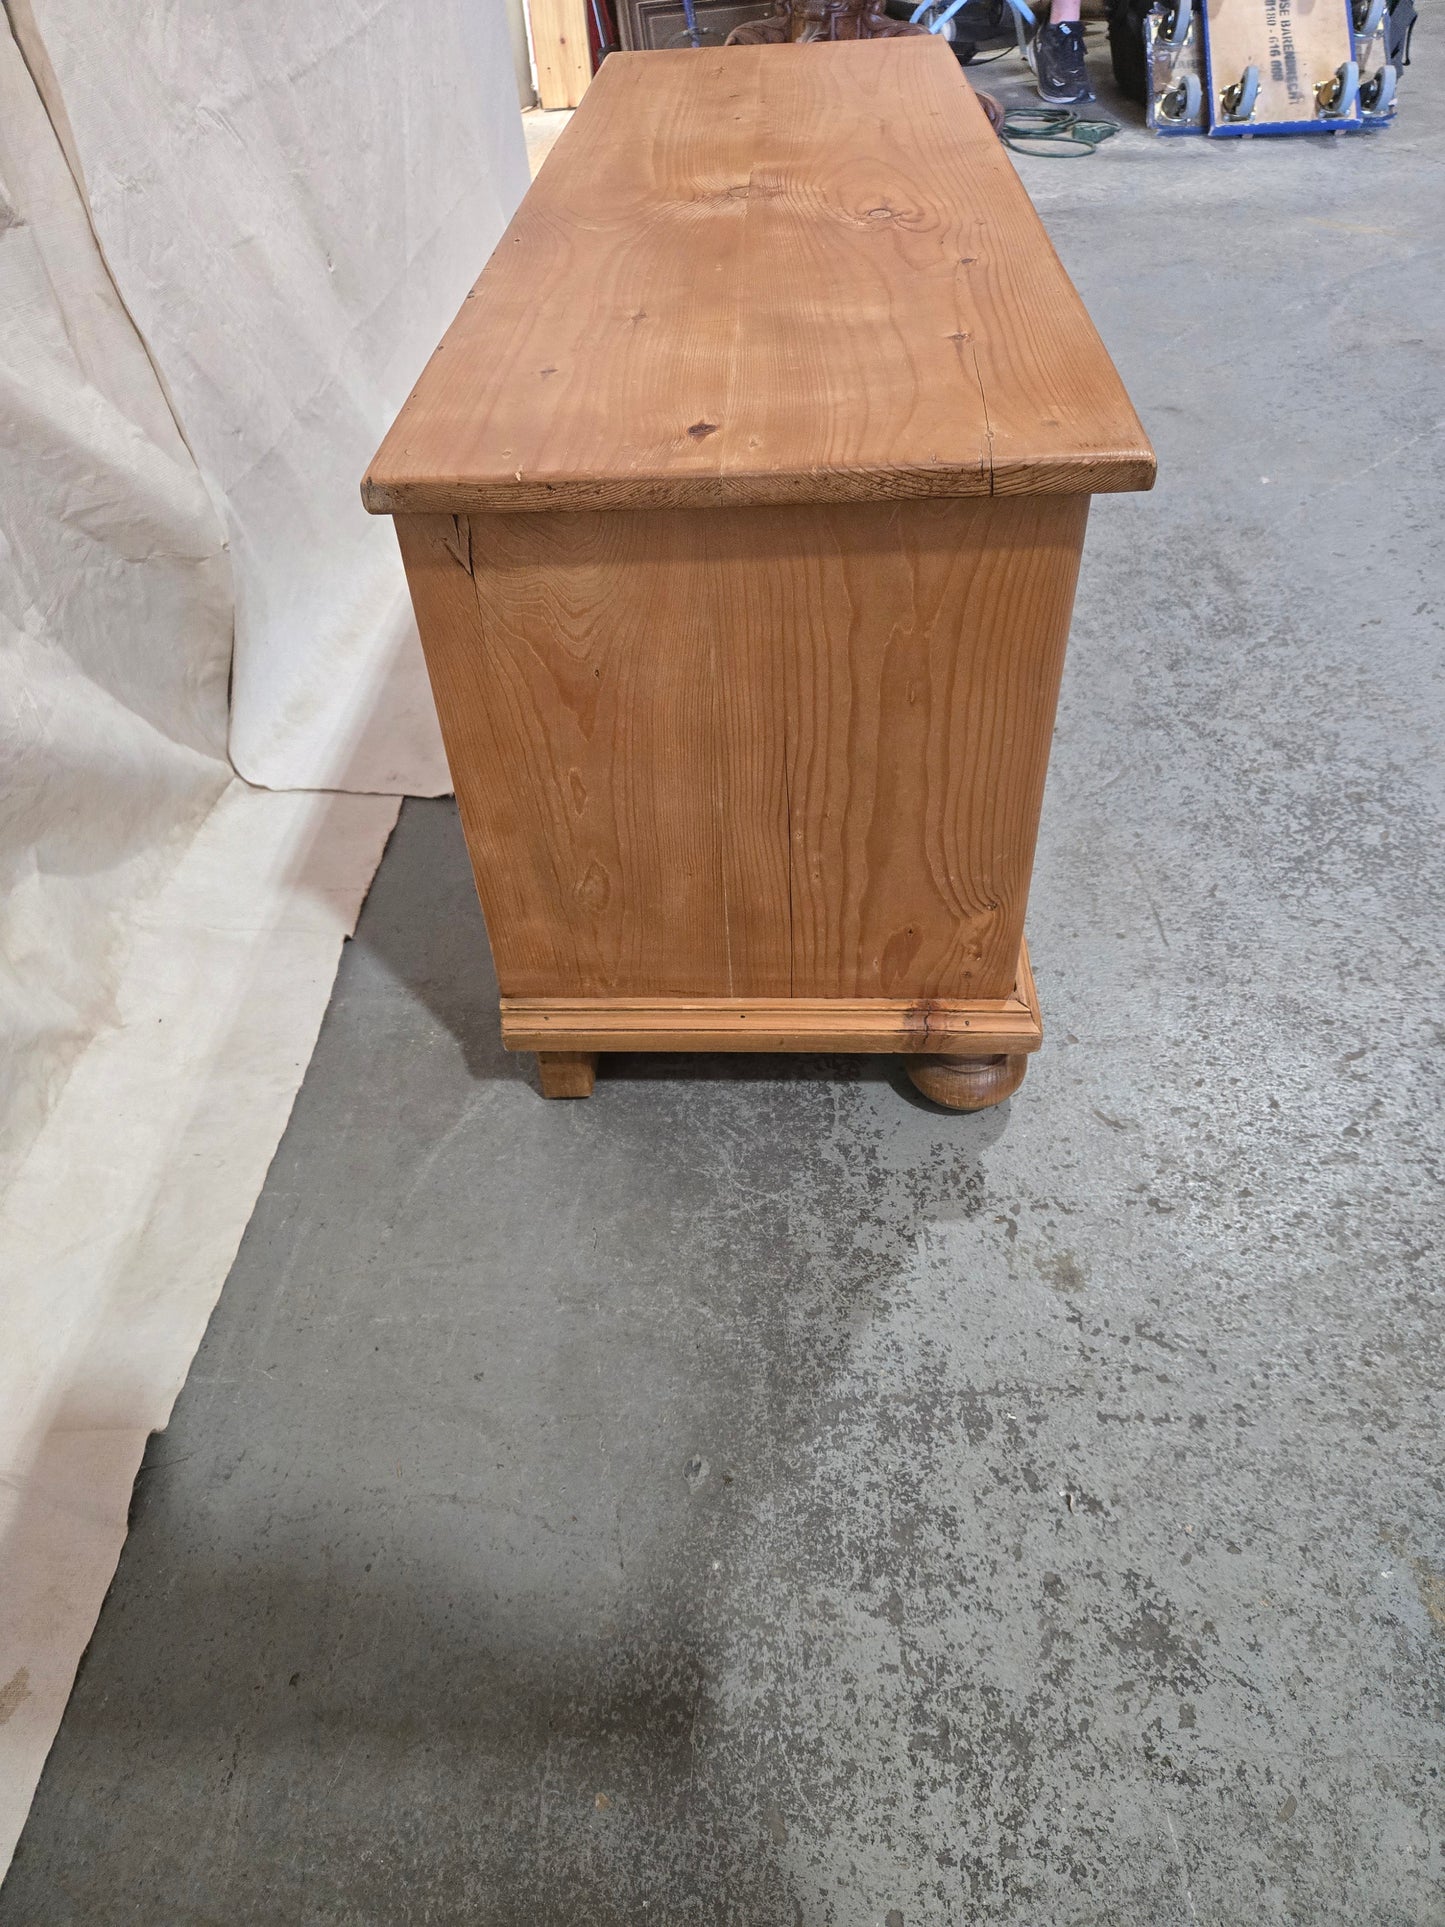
{"points": [[967, 1083], [560, 51], [762, 275], [864, 1025], [566, 1073], [741, 754], [926, 646], [607, 721]]}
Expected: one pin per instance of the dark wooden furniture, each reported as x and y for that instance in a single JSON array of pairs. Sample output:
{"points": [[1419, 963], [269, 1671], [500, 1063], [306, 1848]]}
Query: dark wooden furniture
{"points": [[801, 20], [649, 25]]}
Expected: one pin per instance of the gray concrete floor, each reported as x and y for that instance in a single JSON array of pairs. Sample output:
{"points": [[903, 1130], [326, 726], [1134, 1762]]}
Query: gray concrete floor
{"points": [[755, 1497]]}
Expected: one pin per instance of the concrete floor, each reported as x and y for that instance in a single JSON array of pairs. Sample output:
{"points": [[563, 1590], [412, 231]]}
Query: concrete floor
{"points": [[754, 1497]]}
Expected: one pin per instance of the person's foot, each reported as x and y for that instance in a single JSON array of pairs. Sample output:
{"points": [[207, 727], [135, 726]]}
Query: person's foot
{"points": [[1056, 55]]}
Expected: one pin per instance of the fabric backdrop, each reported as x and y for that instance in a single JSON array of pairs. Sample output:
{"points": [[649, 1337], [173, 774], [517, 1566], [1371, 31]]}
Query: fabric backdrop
{"points": [[293, 202], [115, 620], [230, 234]]}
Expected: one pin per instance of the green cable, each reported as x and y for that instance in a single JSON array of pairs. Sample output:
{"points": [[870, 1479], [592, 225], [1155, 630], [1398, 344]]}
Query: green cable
{"points": [[1054, 133]]}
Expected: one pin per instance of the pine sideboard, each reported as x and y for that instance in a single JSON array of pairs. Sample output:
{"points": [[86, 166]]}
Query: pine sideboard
{"points": [[742, 507]]}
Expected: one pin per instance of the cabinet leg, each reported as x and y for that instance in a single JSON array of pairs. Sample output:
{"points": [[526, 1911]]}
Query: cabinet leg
{"points": [[567, 1073], [967, 1083]]}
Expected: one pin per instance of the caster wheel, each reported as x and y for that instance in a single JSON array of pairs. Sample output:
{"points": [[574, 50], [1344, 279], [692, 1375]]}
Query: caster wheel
{"points": [[1377, 96], [1183, 100], [1368, 15], [1336, 96], [1177, 31], [1238, 100]]}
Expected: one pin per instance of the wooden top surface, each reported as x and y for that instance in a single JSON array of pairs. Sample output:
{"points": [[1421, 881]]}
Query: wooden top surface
{"points": [[761, 275]]}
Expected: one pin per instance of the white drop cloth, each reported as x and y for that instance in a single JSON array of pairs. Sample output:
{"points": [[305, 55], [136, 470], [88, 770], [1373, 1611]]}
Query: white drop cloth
{"points": [[293, 202], [230, 234], [115, 619], [123, 1219]]}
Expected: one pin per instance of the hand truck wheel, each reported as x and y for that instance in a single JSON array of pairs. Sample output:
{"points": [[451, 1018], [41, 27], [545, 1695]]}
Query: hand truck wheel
{"points": [[1336, 96], [1238, 100], [1377, 96], [1183, 100]]}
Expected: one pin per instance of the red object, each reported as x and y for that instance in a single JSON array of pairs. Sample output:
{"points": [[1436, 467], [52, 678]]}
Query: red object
{"points": [[601, 33]]}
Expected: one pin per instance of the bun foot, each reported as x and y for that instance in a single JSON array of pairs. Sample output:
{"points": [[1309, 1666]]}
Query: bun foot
{"points": [[967, 1083], [567, 1073]]}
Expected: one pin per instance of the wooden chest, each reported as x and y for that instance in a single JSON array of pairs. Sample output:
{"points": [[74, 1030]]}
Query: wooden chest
{"points": [[742, 507]]}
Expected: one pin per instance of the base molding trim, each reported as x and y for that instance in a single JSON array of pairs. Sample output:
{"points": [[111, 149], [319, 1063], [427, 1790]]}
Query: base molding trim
{"points": [[977, 1027]]}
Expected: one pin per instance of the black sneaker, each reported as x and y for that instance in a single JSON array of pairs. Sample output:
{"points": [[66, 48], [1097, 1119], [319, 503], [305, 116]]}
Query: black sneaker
{"points": [[1056, 55]]}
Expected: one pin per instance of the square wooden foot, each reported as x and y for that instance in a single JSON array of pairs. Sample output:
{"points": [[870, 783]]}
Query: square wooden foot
{"points": [[567, 1073]]}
